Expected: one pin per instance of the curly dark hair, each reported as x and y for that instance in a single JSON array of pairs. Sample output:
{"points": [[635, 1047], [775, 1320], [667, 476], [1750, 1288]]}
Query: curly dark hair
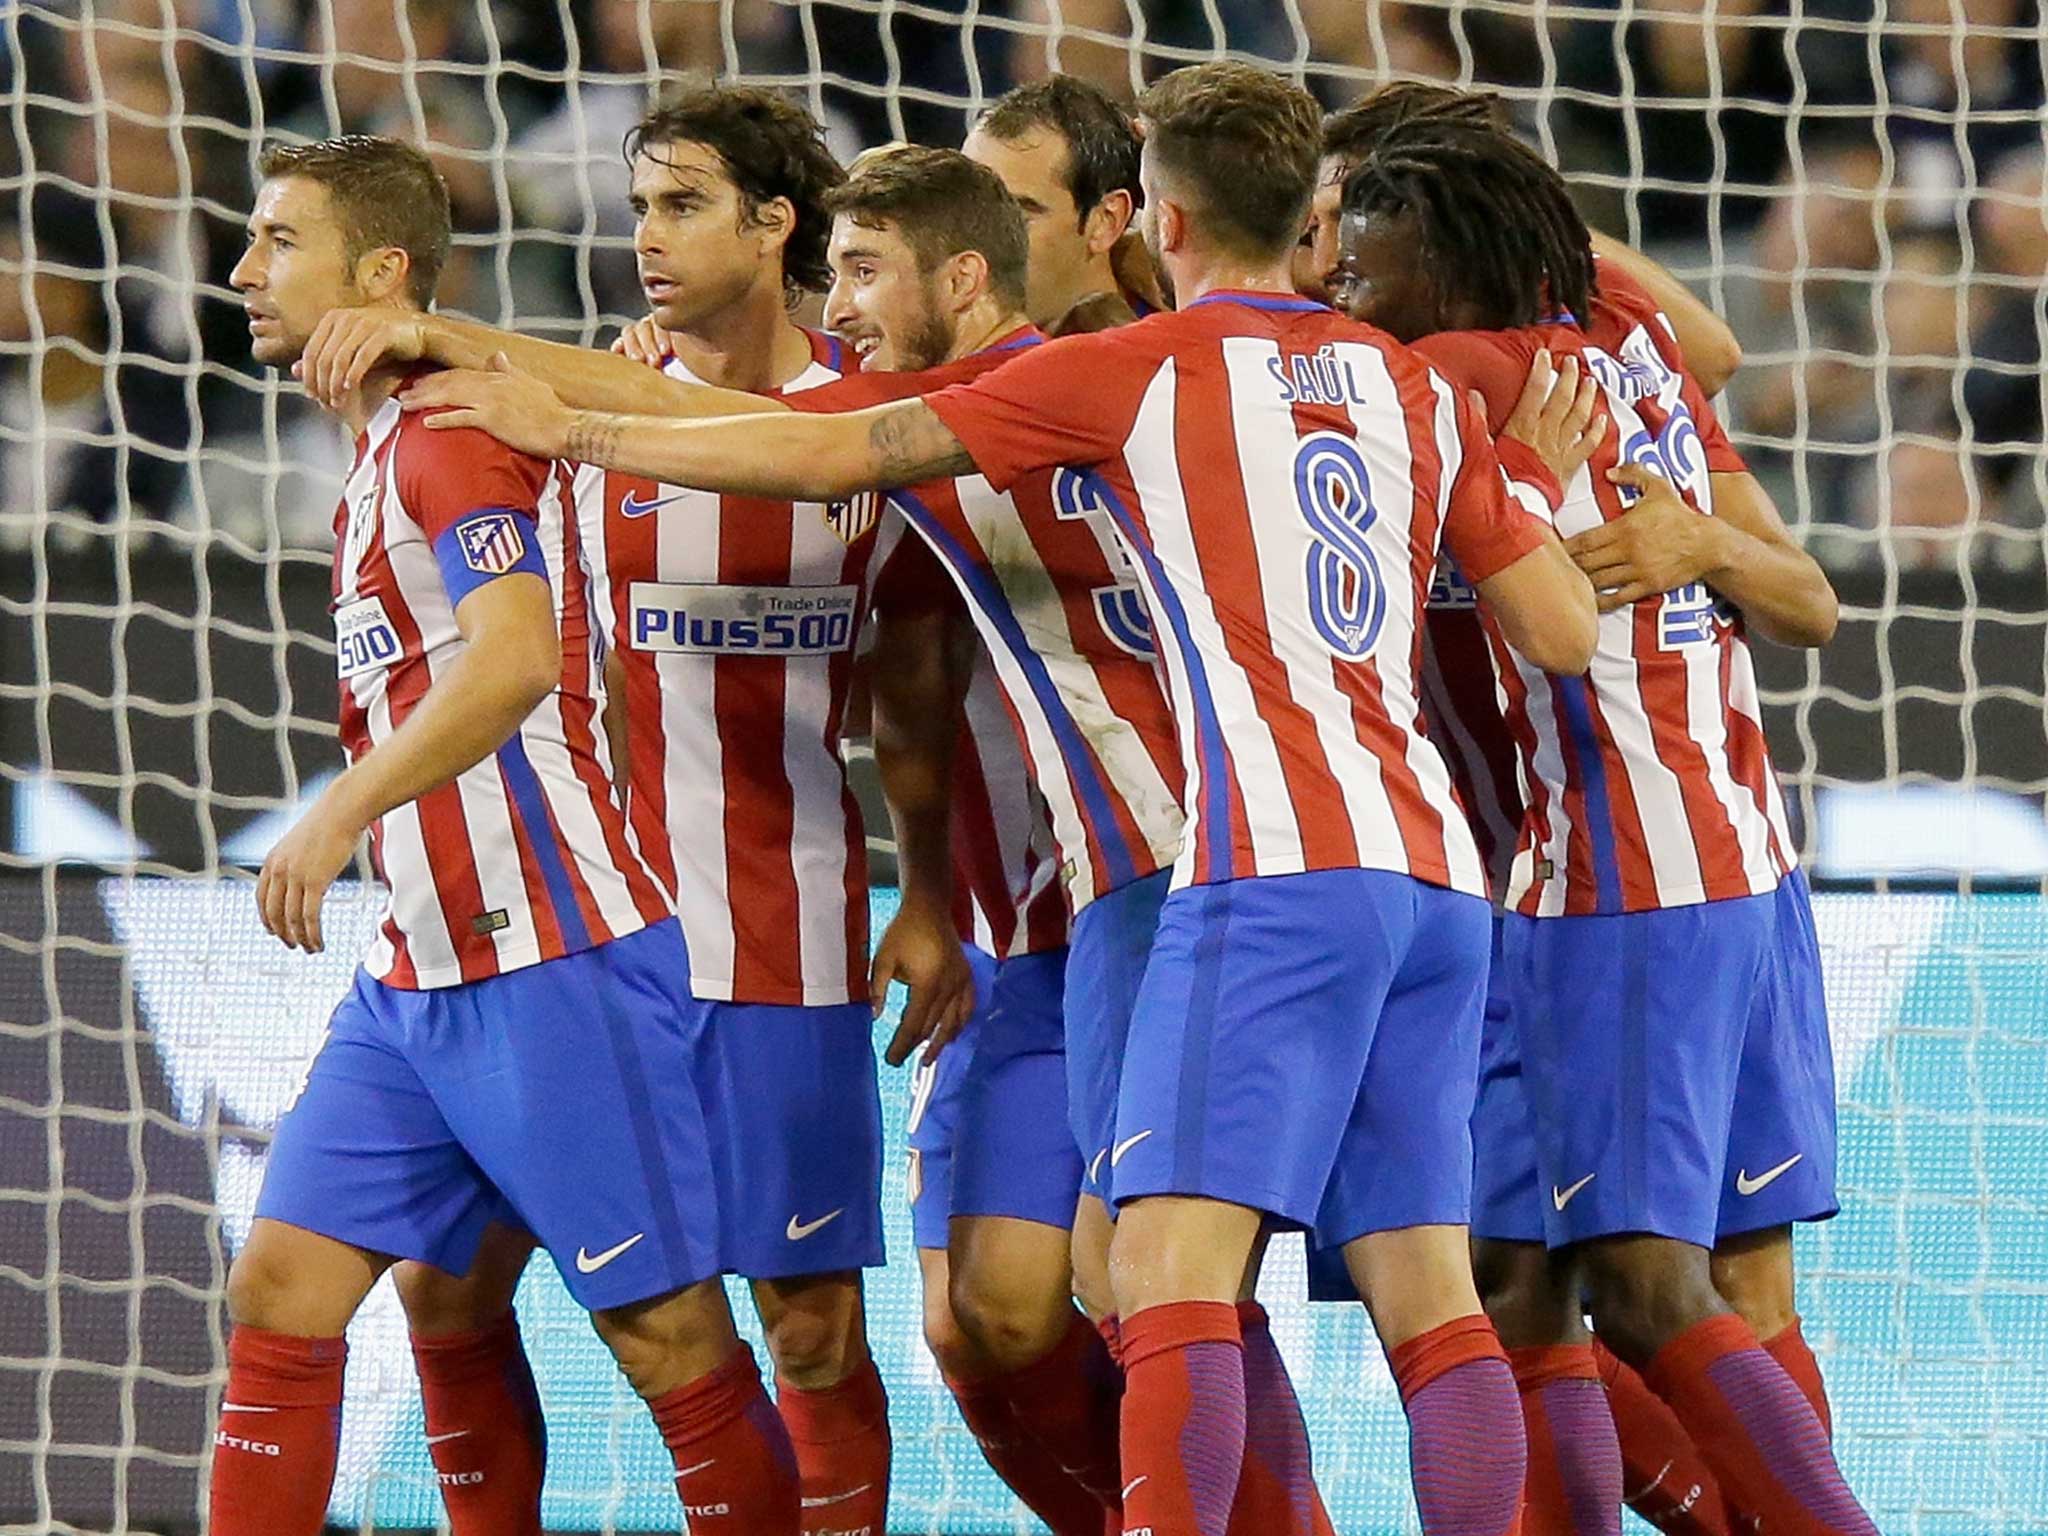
{"points": [[1245, 142], [770, 147], [1350, 135], [1101, 140], [1496, 220]]}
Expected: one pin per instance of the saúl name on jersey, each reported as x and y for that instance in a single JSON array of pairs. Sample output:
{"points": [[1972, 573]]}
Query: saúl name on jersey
{"points": [[704, 619]]}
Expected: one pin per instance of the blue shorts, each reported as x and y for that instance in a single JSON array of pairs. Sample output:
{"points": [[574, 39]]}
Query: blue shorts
{"points": [[1002, 1109], [1106, 958], [795, 1116], [1781, 1145], [1676, 1068], [1308, 1046], [557, 1097], [1506, 1200]]}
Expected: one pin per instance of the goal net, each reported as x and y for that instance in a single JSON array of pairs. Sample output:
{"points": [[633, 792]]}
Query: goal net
{"points": [[1856, 185]]}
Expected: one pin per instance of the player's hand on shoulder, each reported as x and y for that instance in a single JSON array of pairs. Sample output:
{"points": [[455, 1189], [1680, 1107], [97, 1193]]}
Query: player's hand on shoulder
{"points": [[1557, 416], [513, 406], [1658, 544], [645, 342], [304, 863], [348, 343], [921, 949]]}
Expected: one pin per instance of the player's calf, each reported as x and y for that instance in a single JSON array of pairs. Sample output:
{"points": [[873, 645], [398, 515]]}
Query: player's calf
{"points": [[831, 1399]]}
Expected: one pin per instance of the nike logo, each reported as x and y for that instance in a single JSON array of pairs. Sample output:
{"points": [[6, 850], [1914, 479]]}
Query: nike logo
{"points": [[1117, 1152], [797, 1231], [1563, 1197], [691, 1471], [632, 506], [1132, 1486], [1745, 1185], [588, 1263], [244, 1408], [836, 1498], [453, 1434], [1095, 1166]]}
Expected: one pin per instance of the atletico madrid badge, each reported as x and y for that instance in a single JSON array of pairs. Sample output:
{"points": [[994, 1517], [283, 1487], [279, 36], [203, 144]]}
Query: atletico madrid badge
{"points": [[491, 543]]}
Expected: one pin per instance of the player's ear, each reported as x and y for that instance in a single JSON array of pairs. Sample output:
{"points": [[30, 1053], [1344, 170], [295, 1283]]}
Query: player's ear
{"points": [[1107, 221], [776, 221], [966, 279], [381, 274]]}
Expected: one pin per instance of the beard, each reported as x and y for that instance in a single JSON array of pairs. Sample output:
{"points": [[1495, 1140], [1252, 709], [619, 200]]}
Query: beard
{"points": [[1148, 231], [929, 342]]}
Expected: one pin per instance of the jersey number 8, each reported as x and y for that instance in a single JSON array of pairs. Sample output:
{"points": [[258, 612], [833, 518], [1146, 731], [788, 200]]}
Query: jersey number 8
{"points": [[1347, 597]]}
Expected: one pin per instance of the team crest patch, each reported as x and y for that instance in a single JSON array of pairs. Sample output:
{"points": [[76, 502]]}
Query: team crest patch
{"points": [[491, 544], [853, 519]]}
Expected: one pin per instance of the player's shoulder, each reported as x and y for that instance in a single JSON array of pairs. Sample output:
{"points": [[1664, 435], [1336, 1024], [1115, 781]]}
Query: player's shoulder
{"points": [[1620, 308], [1495, 363], [434, 461]]}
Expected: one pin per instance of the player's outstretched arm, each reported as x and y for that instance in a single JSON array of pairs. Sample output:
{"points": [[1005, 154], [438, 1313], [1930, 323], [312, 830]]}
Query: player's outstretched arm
{"points": [[1744, 552], [512, 661], [788, 455], [348, 343], [1711, 351]]}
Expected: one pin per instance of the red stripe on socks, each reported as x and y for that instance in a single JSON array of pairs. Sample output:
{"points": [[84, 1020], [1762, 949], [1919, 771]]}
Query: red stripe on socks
{"points": [[1573, 1487], [484, 1429], [1756, 1430], [841, 1438], [1466, 1451], [1664, 1478], [735, 1470], [1183, 1417], [279, 1432]]}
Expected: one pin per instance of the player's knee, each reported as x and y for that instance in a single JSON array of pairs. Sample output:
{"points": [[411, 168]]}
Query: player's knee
{"points": [[259, 1287], [1645, 1291], [815, 1347], [955, 1352], [1530, 1300], [1754, 1274], [438, 1304], [666, 1343], [1010, 1320]]}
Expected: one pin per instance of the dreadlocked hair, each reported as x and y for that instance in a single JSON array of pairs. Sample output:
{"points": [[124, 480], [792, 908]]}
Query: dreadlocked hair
{"points": [[1350, 134], [1497, 225]]}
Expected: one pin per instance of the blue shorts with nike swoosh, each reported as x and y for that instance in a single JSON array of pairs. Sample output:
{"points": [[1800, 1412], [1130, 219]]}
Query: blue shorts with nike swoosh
{"points": [[558, 1098], [1108, 950], [1308, 1045], [794, 1111], [1676, 1067], [989, 1136]]}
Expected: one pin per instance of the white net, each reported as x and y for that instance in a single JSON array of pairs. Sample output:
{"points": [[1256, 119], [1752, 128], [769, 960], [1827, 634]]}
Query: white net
{"points": [[1857, 186]]}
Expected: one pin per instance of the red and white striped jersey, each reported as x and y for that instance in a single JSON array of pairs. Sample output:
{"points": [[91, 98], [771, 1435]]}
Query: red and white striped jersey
{"points": [[1006, 871], [524, 856], [735, 620], [1282, 477], [1646, 783], [1056, 601]]}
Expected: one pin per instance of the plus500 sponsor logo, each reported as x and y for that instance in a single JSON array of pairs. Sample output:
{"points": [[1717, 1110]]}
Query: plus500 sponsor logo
{"points": [[682, 619]]}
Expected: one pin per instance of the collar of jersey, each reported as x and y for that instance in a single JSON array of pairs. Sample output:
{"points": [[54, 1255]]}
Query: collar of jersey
{"points": [[1026, 335], [1259, 299]]}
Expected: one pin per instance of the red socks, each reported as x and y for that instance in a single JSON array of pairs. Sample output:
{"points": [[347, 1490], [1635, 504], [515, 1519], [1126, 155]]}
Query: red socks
{"points": [[1068, 1401], [841, 1438], [735, 1470], [1663, 1477], [1756, 1430], [1183, 1417], [279, 1432], [1465, 1444], [1018, 1458], [1276, 1492], [1574, 1481], [484, 1429], [1788, 1348]]}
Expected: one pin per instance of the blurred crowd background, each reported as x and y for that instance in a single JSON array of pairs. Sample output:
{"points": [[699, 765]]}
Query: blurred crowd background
{"points": [[1856, 184]]}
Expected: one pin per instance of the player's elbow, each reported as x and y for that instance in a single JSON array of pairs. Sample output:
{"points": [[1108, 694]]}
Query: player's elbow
{"points": [[1714, 356], [1810, 623], [1563, 639], [531, 672]]}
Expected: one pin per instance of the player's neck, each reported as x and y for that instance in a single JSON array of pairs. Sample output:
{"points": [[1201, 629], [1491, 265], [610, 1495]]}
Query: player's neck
{"points": [[751, 344], [1197, 273], [379, 385], [982, 327]]}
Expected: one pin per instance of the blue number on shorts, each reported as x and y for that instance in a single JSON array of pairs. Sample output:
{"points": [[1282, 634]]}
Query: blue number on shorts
{"points": [[1347, 599], [1120, 606]]}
